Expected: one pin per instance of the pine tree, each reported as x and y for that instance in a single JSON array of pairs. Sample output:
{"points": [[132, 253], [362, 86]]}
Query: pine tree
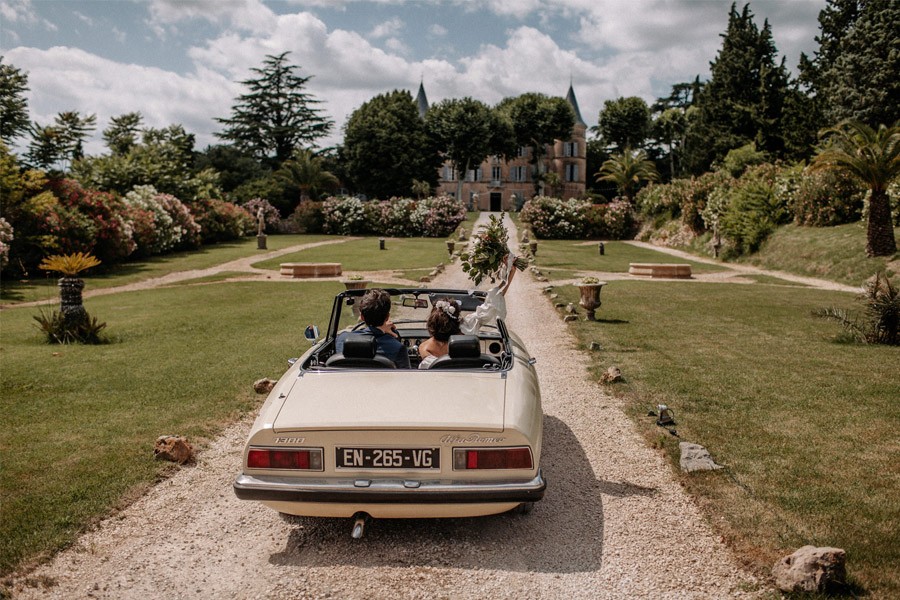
{"points": [[275, 116], [743, 100], [14, 119]]}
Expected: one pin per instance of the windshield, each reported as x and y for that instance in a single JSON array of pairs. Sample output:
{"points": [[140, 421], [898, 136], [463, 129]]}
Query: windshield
{"points": [[409, 307]]}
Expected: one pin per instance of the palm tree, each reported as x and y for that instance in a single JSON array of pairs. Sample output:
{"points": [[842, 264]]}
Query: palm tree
{"points": [[873, 158], [305, 170], [70, 285], [627, 170]]}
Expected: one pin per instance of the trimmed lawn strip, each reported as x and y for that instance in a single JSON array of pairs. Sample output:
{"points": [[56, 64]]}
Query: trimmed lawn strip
{"points": [[578, 255], [805, 426], [79, 422], [364, 255], [42, 285], [833, 253]]}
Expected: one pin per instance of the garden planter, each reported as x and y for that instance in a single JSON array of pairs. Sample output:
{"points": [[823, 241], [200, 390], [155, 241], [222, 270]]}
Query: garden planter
{"points": [[590, 297], [533, 247], [356, 284], [451, 246], [71, 304]]}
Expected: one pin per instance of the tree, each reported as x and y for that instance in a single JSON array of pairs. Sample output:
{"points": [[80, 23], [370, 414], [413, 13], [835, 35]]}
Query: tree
{"points": [[537, 121], [304, 172], [466, 132], [628, 170], [743, 100], [58, 145], [163, 159], [122, 133], [14, 120], [386, 146], [863, 82], [873, 158], [624, 123], [668, 130], [275, 116]]}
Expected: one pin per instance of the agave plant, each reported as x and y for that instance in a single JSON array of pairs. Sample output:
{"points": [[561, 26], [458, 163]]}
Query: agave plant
{"points": [[69, 266]]}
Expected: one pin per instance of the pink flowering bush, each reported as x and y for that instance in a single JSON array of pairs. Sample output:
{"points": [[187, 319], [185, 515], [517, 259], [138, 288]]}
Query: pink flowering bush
{"points": [[397, 218], [554, 218], [185, 228], [438, 216], [307, 217], [827, 198], [112, 238], [161, 222], [271, 216], [613, 221], [221, 221]]}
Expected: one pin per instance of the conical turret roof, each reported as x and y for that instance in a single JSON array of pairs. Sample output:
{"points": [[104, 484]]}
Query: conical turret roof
{"points": [[422, 101], [570, 98]]}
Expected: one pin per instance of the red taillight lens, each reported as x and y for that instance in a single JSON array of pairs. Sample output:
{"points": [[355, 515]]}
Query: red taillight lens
{"points": [[492, 458], [307, 459]]}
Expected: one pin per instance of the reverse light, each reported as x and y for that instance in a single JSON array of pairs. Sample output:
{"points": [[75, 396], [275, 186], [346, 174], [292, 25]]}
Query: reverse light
{"points": [[492, 458], [298, 459]]}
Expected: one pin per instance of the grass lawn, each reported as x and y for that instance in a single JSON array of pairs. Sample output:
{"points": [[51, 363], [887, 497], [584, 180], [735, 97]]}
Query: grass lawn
{"points": [[564, 258], [806, 427], [364, 255], [79, 422], [42, 285], [834, 253]]}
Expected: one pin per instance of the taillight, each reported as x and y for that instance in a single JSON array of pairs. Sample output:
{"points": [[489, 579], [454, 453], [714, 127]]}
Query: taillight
{"points": [[303, 459], [492, 458]]}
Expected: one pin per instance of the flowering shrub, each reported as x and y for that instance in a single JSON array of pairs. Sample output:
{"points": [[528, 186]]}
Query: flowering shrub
{"points": [[439, 216], [553, 218], [6, 236], [827, 198], [185, 227], [615, 221], [221, 221], [112, 234], [307, 217], [152, 226], [343, 215], [271, 216], [161, 222], [397, 217]]}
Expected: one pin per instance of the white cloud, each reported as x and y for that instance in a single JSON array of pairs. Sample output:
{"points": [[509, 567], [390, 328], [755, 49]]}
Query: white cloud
{"points": [[246, 15], [63, 78], [389, 28], [21, 11], [438, 30]]}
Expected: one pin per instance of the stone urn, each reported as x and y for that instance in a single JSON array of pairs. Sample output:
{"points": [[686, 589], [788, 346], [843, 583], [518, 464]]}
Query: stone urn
{"points": [[356, 284], [451, 246], [590, 297]]}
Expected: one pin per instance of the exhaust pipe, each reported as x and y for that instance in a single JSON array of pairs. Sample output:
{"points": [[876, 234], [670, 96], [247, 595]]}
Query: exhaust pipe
{"points": [[359, 525]]}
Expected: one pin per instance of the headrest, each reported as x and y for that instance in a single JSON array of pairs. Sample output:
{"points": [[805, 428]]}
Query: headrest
{"points": [[464, 346], [358, 345]]}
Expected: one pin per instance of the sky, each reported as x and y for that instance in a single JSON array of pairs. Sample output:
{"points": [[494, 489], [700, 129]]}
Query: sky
{"points": [[178, 61]]}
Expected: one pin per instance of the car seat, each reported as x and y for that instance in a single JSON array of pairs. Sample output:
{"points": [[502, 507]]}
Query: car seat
{"points": [[359, 352]]}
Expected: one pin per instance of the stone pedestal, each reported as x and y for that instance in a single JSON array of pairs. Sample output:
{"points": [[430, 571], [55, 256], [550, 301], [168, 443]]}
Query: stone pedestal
{"points": [[261, 242]]}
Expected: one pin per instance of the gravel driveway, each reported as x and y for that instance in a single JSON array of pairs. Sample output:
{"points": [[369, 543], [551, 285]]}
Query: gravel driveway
{"points": [[613, 524]]}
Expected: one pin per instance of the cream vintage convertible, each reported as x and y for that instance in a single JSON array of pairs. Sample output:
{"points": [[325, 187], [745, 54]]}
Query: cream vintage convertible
{"points": [[346, 434]]}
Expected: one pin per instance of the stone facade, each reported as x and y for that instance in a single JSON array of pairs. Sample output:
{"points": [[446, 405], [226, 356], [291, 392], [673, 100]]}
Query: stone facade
{"points": [[506, 184]]}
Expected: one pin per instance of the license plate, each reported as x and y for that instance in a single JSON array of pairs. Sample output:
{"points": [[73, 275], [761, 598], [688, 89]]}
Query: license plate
{"points": [[388, 458]]}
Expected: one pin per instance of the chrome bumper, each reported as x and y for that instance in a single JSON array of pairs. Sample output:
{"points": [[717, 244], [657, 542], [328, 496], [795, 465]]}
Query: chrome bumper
{"points": [[387, 491]]}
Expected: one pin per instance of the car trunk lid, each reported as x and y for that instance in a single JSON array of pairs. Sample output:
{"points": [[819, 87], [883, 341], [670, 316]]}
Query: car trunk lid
{"points": [[394, 400]]}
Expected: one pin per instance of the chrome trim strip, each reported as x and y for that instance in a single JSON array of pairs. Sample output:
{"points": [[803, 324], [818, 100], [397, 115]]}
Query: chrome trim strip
{"points": [[386, 491]]}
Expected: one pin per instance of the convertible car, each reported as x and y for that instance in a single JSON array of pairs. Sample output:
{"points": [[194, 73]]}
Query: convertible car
{"points": [[347, 434]]}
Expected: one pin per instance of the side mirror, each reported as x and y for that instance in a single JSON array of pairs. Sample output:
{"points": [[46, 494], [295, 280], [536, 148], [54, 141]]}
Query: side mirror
{"points": [[311, 333]]}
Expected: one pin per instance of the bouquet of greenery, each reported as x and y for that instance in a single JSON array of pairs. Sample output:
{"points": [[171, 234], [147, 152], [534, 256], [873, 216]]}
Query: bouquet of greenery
{"points": [[488, 252]]}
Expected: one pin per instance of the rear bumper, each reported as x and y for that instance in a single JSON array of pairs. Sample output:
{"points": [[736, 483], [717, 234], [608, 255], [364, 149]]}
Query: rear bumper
{"points": [[387, 491]]}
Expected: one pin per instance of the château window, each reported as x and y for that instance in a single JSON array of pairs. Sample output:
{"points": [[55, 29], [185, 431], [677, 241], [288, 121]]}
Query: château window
{"points": [[449, 173], [496, 174], [571, 172], [570, 149], [517, 173]]}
